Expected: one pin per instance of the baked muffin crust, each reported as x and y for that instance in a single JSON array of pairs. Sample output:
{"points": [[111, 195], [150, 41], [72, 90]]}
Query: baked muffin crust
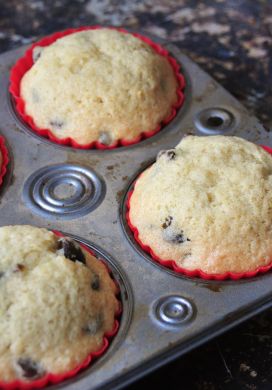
{"points": [[99, 85], [56, 303], [207, 204]]}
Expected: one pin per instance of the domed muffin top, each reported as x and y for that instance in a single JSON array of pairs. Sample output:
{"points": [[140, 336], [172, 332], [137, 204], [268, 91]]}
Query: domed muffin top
{"points": [[56, 303], [99, 85], [207, 204]]}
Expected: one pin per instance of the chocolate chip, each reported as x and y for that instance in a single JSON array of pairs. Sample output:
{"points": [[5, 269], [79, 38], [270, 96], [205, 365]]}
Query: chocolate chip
{"points": [[105, 138], [29, 368], [171, 235], [19, 268], [37, 51], [95, 325], [2, 274], [169, 154], [187, 134], [95, 284], [180, 238], [56, 123], [71, 250], [167, 222]]}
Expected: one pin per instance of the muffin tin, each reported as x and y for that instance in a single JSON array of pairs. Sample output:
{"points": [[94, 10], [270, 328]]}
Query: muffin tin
{"points": [[83, 193]]}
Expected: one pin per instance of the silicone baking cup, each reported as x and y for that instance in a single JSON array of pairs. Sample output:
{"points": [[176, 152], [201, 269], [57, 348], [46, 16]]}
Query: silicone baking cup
{"points": [[26, 62], [171, 264], [56, 378], [5, 159]]}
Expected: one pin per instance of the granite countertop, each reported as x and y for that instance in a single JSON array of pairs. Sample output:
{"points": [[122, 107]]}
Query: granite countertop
{"points": [[231, 40]]}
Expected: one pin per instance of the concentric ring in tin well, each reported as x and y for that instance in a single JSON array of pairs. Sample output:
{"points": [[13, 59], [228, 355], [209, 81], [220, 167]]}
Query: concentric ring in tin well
{"points": [[173, 310], [215, 120], [65, 191]]}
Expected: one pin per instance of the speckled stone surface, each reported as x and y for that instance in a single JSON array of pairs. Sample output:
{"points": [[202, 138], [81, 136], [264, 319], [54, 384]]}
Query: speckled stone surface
{"points": [[232, 40]]}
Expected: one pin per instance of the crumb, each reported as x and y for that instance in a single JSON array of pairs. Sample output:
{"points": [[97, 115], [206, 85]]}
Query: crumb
{"points": [[244, 367]]}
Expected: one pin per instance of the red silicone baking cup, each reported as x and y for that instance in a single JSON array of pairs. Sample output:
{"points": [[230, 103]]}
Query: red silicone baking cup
{"points": [[56, 378], [171, 264], [26, 62], [5, 159]]}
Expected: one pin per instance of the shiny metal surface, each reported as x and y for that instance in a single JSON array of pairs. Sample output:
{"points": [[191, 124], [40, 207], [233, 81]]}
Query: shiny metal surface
{"points": [[64, 190], [216, 120], [141, 345], [173, 311]]}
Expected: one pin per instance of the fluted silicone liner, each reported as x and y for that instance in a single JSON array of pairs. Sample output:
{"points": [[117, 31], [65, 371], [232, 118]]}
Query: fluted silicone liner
{"points": [[5, 159]]}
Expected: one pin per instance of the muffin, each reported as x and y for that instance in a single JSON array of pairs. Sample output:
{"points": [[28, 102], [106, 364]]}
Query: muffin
{"points": [[207, 205], [99, 85], [57, 302]]}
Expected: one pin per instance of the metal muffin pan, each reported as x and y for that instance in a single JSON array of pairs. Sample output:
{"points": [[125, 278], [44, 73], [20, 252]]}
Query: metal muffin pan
{"points": [[165, 315]]}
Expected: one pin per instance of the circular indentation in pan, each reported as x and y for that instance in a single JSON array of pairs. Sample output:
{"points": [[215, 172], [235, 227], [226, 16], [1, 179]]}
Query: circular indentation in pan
{"points": [[125, 296], [64, 190], [173, 310], [214, 121]]}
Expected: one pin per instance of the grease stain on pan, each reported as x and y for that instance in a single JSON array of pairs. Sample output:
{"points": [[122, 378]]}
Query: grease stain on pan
{"points": [[213, 287]]}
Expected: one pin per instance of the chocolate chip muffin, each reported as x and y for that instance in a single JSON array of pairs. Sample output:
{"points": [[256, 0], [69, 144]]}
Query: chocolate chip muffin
{"points": [[56, 302], [99, 85], [207, 205]]}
